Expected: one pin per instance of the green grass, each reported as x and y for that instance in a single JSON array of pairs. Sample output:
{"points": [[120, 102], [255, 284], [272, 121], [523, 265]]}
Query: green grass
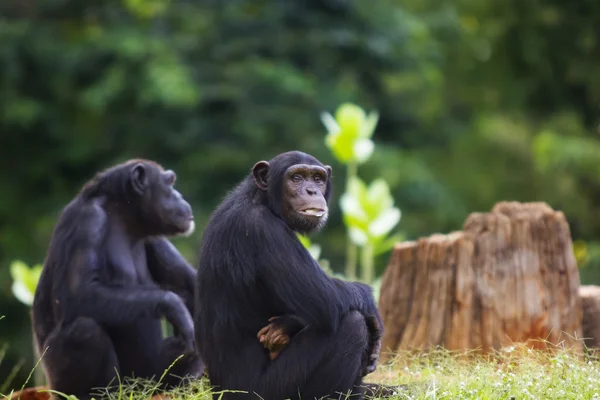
{"points": [[512, 373], [515, 372]]}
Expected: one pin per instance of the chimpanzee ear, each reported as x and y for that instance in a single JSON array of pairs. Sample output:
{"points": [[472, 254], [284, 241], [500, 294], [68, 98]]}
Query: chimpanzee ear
{"points": [[328, 169], [260, 171], [139, 178]]}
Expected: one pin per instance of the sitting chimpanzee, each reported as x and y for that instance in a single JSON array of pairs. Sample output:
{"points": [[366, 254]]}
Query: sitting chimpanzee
{"points": [[109, 277], [252, 267]]}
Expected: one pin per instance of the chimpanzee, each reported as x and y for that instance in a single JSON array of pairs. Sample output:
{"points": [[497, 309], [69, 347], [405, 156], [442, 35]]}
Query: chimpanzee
{"points": [[109, 277], [253, 267]]}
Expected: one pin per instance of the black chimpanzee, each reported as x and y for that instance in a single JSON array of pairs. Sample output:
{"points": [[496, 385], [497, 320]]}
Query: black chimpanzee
{"points": [[109, 277], [253, 267]]}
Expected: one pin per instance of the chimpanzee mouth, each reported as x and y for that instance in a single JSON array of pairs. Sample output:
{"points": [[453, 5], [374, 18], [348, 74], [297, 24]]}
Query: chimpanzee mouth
{"points": [[187, 227], [190, 229], [312, 212]]}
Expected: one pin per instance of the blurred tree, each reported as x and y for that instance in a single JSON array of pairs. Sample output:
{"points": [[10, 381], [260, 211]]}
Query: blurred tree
{"points": [[206, 88], [479, 101]]}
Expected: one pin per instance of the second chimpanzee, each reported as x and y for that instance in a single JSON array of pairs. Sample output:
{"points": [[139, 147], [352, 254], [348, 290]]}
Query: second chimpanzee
{"points": [[252, 267], [109, 277]]}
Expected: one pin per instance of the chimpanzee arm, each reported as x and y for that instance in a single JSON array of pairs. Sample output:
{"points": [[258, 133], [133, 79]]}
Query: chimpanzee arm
{"points": [[362, 294], [115, 304], [300, 286], [372, 319], [170, 270]]}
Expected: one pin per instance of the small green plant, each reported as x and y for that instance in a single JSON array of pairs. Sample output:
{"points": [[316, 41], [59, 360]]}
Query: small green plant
{"points": [[349, 134], [349, 139], [368, 212], [370, 215], [25, 281]]}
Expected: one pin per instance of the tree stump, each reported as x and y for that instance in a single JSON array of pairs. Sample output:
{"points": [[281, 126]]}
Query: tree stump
{"points": [[509, 276], [590, 304]]}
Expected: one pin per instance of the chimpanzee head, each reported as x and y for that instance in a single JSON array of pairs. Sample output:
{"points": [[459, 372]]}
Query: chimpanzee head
{"points": [[298, 187], [162, 209], [142, 193]]}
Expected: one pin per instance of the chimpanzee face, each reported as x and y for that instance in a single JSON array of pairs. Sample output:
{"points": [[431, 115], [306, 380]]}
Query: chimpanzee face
{"points": [[163, 207], [301, 190], [304, 204]]}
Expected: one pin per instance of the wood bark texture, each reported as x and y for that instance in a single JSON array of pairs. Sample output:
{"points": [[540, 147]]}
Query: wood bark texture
{"points": [[590, 304], [509, 276]]}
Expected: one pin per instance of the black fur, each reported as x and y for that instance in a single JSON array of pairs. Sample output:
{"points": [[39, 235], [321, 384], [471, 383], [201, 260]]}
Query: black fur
{"points": [[109, 276], [253, 267]]}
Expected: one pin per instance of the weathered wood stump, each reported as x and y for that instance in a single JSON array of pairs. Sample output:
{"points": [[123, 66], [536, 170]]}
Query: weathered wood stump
{"points": [[590, 304], [509, 276]]}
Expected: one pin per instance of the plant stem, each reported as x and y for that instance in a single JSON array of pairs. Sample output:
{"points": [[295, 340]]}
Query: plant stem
{"points": [[367, 263], [351, 258], [351, 249]]}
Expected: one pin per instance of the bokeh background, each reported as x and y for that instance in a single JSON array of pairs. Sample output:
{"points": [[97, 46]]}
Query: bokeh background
{"points": [[478, 101]]}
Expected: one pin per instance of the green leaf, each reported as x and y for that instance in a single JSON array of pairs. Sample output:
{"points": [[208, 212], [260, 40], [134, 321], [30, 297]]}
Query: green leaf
{"points": [[305, 240], [386, 221], [22, 293], [358, 236], [350, 118], [25, 281], [362, 150], [349, 133], [368, 212], [383, 246], [330, 123], [357, 188], [352, 208], [379, 194], [18, 270], [341, 147], [369, 125]]}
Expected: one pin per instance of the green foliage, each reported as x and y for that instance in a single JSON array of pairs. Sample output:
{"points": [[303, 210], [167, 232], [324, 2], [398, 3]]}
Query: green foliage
{"points": [[25, 280], [369, 213], [513, 372], [477, 102], [349, 133], [554, 153]]}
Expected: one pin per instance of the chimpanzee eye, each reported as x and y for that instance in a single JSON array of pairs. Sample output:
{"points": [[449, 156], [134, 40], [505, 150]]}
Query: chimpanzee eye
{"points": [[318, 178], [296, 178]]}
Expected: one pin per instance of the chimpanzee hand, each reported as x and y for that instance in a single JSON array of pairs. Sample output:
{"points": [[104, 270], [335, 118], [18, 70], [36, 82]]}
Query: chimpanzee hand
{"points": [[183, 325], [187, 334], [375, 328], [277, 335]]}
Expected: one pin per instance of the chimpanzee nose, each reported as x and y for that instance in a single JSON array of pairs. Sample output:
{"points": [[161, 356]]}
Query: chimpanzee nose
{"points": [[186, 210], [311, 191]]}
